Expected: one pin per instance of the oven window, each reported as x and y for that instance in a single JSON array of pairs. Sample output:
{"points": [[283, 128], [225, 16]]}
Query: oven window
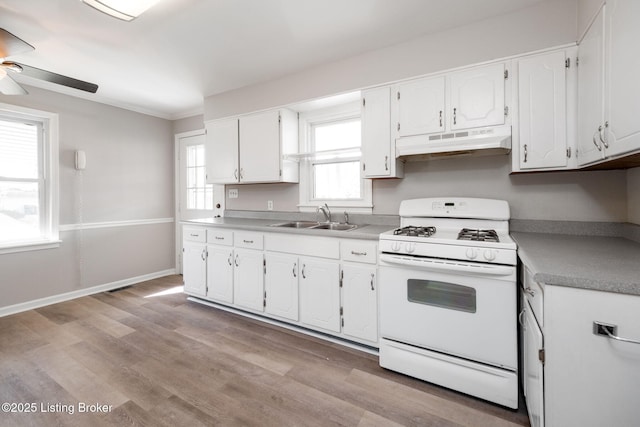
{"points": [[442, 294]]}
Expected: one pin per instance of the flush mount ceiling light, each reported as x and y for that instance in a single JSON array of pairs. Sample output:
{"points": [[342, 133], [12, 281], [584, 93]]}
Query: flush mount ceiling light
{"points": [[122, 9]]}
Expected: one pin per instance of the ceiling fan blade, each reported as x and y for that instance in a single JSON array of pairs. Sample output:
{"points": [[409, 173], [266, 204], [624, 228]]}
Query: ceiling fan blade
{"points": [[12, 45], [8, 86], [49, 76]]}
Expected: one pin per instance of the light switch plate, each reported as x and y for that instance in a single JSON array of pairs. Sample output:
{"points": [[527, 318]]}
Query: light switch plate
{"points": [[233, 193]]}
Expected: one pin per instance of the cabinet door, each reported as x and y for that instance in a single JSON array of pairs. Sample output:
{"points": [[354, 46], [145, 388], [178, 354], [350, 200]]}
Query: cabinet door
{"points": [[248, 277], [622, 103], [281, 285], [533, 369], [221, 151], [220, 273], [476, 97], [590, 92], [360, 302], [542, 102], [194, 266], [378, 153], [260, 147], [421, 107], [320, 294]]}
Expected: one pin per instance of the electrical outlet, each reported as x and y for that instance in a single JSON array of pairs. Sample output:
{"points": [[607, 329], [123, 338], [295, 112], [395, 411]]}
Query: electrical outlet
{"points": [[233, 193], [269, 205], [600, 328]]}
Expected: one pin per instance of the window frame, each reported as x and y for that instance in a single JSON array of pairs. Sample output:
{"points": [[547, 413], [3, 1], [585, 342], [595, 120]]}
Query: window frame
{"points": [[48, 178], [307, 121]]}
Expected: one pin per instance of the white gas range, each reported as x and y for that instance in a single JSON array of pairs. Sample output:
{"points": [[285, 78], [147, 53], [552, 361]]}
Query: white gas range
{"points": [[448, 300]]}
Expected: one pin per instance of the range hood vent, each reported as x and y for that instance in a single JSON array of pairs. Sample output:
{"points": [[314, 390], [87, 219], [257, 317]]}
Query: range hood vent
{"points": [[482, 141]]}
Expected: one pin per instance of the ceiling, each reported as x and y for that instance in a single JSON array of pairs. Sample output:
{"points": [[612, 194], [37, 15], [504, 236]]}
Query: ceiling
{"points": [[165, 62]]}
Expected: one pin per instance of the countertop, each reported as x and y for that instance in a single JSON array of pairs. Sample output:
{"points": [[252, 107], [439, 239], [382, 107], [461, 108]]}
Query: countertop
{"points": [[609, 264], [366, 232]]}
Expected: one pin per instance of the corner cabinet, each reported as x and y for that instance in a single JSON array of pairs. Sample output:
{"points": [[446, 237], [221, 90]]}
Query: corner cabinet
{"points": [[378, 145], [608, 90], [544, 134], [252, 148]]}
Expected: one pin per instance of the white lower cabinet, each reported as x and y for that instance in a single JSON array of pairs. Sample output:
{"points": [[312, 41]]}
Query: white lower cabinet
{"points": [[194, 265], [220, 273], [320, 293], [359, 302], [533, 369], [248, 278], [281, 285]]}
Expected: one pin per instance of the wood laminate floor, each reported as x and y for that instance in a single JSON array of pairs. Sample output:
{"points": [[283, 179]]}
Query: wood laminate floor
{"points": [[144, 355]]}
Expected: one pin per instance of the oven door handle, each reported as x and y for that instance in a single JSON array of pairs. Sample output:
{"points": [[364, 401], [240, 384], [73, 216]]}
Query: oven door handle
{"points": [[449, 265]]}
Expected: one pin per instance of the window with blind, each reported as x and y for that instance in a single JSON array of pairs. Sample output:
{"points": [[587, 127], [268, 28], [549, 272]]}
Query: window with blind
{"points": [[26, 190]]}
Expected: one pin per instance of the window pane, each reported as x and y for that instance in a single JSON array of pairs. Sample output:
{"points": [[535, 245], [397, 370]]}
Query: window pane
{"points": [[19, 211], [337, 181], [191, 155], [18, 150], [331, 136], [201, 177], [199, 155], [191, 177]]}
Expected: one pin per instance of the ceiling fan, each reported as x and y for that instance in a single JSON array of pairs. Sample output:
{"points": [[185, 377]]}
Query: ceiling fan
{"points": [[11, 45]]}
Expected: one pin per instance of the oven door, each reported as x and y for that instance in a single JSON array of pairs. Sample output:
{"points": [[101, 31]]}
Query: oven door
{"points": [[462, 309]]}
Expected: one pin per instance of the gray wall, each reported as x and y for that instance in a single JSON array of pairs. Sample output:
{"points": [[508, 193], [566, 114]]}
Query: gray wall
{"points": [[129, 176], [188, 124]]}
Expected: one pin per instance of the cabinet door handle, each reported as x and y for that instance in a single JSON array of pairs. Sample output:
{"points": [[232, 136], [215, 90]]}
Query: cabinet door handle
{"points": [[609, 331], [594, 140], [236, 261], [520, 319], [455, 116], [295, 264], [241, 174], [440, 118], [525, 153], [386, 163], [372, 288], [203, 255], [229, 259], [600, 129], [235, 174], [303, 267]]}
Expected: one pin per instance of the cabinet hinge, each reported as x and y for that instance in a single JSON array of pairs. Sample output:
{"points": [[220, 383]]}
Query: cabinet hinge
{"points": [[567, 63], [577, 61], [506, 74], [280, 173], [398, 95], [541, 355], [506, 111], [341, 311], [342, 322], [363, 102], [182, 250], [398, 126], [569, 152], [264, 268], [279, 118], [364, 166], [341, 280]]}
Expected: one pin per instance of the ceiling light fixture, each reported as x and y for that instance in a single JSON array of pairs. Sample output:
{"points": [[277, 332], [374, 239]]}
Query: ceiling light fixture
{"points": [[122, 9]]}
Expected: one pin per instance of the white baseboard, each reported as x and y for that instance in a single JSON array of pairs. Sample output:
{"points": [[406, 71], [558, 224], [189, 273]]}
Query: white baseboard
{"points": [[41, 302]]}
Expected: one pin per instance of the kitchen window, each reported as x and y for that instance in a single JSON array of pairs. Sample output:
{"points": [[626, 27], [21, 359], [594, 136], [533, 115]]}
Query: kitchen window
{"points": [[330, 140], [28, 179]]}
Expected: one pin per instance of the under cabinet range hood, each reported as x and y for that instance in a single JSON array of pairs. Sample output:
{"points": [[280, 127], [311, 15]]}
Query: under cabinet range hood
{"points": [[471, 142]]}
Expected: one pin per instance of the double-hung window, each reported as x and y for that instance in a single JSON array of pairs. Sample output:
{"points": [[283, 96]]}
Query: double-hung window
{"points": [[330, 140], [28, 179]]}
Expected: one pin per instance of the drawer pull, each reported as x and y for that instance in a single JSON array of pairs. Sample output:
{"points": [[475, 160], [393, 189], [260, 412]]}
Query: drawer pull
{"points": [[609, 331], [248, 241], [219, 238], [358, 253], [194, 235]]}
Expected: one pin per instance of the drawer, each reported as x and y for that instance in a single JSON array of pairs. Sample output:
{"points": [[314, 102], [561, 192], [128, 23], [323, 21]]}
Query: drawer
{"points": [[533, 293], [248, 240], [359, 251], [218, 236], [194, 234]]}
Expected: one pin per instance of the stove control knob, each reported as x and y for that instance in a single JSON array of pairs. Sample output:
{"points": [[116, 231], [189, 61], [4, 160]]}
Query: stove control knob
{"points": [[490, 255], [472, 253], [411, 247], [395, 246]]}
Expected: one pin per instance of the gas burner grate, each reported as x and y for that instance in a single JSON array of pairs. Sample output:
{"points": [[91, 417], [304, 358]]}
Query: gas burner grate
{"points": [[414, 231], [478, 235]]}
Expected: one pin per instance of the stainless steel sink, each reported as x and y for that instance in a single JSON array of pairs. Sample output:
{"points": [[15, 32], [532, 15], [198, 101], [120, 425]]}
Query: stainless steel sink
{"points": [[316, 225], [297, 224]]}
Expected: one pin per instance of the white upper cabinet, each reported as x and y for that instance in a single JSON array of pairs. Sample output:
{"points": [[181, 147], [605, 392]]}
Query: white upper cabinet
{"points": [[378, 146], [544, 134], [608, 86], [476, 97], [466, 99], [253, 148], [421, 106], [622, 85], [221, 151]]}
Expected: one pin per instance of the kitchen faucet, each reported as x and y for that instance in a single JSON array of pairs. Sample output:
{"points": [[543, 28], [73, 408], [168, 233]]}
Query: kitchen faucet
{"points": [[325, 210]]}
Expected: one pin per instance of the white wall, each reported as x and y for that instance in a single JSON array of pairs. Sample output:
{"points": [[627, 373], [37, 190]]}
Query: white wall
{"points": [[129, 176], [543, 25]]}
